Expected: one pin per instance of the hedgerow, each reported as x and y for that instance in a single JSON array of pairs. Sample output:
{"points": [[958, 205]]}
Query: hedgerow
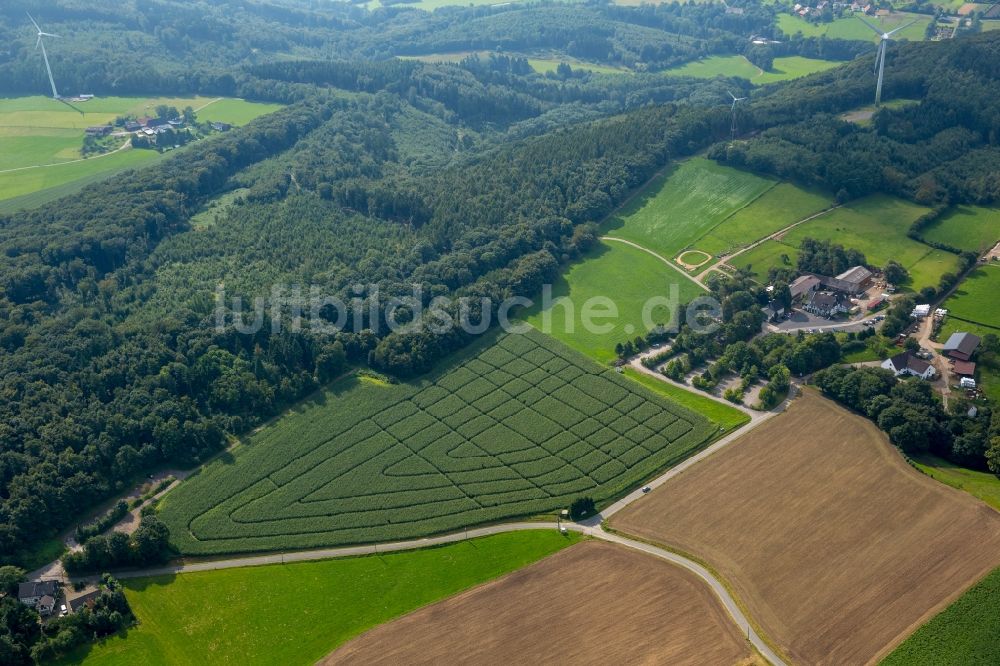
{"points": [[518, 425]]}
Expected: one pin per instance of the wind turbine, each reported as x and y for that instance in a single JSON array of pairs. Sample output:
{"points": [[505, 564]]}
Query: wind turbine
{"points": [[883, 44], [45, 56], [732, 127]]}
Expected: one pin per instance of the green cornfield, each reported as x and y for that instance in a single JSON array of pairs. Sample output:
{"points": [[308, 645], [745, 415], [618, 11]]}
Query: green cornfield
{"points": [[518, 425]]}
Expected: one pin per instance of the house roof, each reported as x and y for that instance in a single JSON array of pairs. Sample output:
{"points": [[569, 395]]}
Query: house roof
{"points": [[967, 368], [36, 588], [964, 343], [855, 275], [803, 283], [79, 602], [824, 300], [907, 361]]}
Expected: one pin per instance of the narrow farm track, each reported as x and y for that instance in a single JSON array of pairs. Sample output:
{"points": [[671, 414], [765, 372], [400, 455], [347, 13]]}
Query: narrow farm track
{"points": [[120, 148], [658, 256], [724, 260]]}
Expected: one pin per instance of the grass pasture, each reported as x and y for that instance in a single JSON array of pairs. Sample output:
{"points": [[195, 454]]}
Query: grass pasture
{"points": [[676, 209], [783, 69], [40, 139], [719, 413], [516, 425], [984, 485], [969, 228], [625, 274], [967, 632], [853, 29], [777, 208], [296, 613], [541, 615], [815, 520], [876, 225], [975, 300]]}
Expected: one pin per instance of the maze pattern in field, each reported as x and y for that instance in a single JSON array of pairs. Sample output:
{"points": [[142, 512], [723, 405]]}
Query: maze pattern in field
{"points": [[518, 427]]}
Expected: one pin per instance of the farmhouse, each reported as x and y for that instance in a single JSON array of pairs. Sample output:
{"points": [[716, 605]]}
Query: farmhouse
{"points": [[132, 126], [221, 127], [825, 304], [961, 346], [39, 594], [774, 311], [98, 130], [908, 364]]}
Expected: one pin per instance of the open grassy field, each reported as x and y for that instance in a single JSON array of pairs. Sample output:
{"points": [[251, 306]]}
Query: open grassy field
{"points": [[720, 413], [41, 133], [975, 300], [568, 608], [875, 225], [626, 275], [676, 209], [782, 205], [967, 632], [852, 28], [984, 485], [296, 613], [837, 547], [515, 425], [785, 68], [970, 228]]}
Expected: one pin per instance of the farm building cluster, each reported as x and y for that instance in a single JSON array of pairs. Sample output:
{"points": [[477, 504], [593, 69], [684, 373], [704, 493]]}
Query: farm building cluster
{"points": [[827, 296]]}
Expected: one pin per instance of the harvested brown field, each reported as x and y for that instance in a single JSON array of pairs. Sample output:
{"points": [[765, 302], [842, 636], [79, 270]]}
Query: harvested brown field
{"points": [[594, 602], [837, 547]]}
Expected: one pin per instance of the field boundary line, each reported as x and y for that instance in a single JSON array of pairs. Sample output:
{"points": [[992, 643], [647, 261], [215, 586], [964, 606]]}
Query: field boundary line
{"points": [[217, 99], [727, 217]]}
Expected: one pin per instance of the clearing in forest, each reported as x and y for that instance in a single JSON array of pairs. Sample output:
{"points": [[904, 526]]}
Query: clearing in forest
{"points": [[515, 425], [567, 608], [836, 546]]}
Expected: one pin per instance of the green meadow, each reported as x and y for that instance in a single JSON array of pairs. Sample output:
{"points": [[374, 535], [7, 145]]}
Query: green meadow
{"points": [[783, 69], [613, 270], [853, 29], [984, 485], [875, 225], [975, 300], [297, 613], [779, 207], [969, 228], [677, 208]]}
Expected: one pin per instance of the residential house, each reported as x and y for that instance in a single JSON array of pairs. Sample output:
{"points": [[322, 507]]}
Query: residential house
{"points": [[825, 304], [961, 346], [132, 126], [774, 311], [85, 600], [39, 594], [221, 127], [98, 130], [907, 363]]}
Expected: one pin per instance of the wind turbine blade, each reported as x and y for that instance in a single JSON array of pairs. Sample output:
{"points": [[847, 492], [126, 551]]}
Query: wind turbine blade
{"points": [[38, 42], [731, 94], [878, 55], [47, 34], [902, 27], [33, 22], [874, 29]]}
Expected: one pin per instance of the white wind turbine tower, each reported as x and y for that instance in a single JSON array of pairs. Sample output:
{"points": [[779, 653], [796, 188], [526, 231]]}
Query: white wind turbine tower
{"points": [[45, 56], [732, 127], [883, 44]]}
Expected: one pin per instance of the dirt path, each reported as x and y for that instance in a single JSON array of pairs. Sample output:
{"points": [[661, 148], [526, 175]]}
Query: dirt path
{"points": [[723, 260], [124, 146], [658, 256]]}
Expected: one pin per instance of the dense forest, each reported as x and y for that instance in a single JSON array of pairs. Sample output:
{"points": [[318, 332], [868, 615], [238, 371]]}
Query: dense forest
{"points": [[478, 178]]}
